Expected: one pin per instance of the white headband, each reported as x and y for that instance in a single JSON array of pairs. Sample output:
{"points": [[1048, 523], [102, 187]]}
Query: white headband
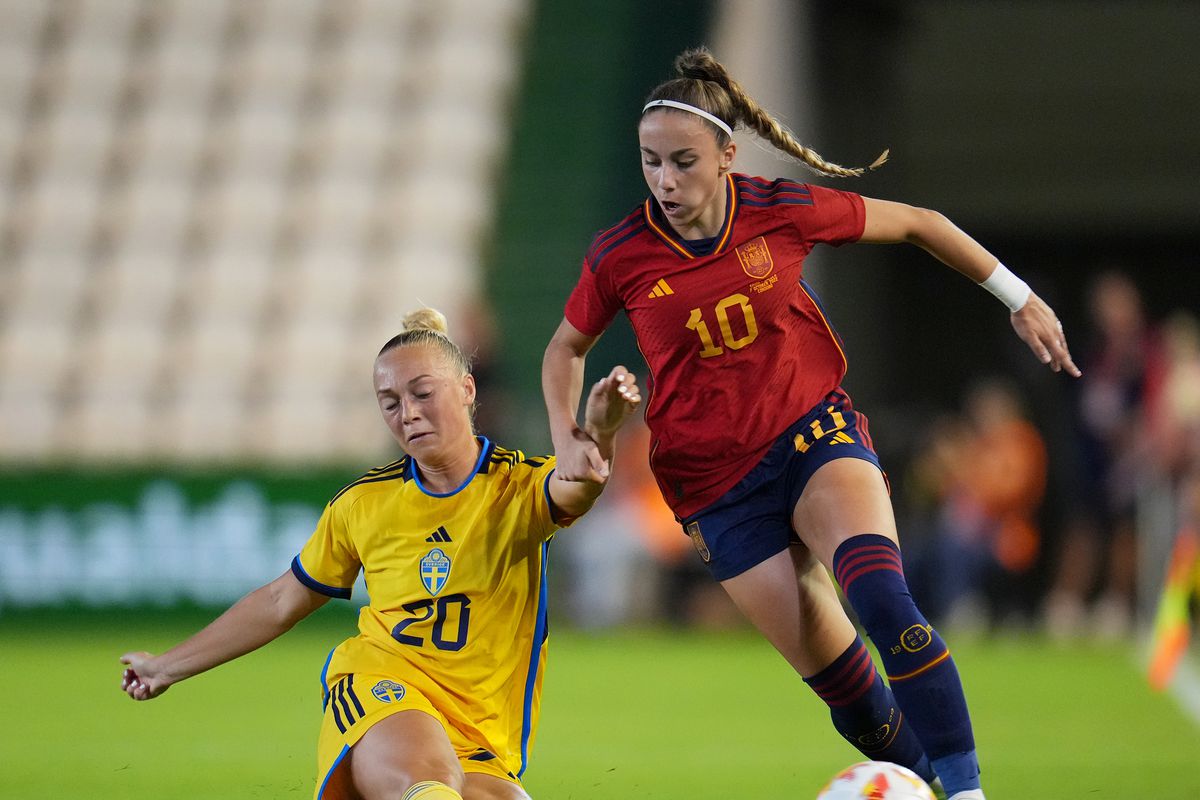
{"points": [[720, 123]]}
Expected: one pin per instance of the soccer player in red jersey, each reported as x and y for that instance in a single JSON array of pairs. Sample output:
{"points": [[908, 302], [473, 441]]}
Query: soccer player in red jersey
{"points": [[756, 448]]}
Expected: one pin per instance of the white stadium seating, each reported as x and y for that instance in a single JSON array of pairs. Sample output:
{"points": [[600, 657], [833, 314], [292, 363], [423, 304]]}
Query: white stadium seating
{"points": [[214, 212]]}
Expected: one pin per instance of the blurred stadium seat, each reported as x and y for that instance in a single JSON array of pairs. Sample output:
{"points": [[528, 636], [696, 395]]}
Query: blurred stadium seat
{"points": [[214, 212]]}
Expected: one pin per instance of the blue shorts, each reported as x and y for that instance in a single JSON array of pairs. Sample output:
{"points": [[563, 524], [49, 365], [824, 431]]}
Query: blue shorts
{"points": [[753, 520]]}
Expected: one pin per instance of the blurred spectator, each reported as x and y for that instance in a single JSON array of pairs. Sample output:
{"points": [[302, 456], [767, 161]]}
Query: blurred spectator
{"points": [[1097, 560], [1174, 413], [988, 472], [685, 593], [629, 560], [1173, 405]]}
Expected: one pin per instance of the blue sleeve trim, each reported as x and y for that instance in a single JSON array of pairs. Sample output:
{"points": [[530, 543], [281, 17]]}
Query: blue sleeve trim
{"points": [[546, 491], [558, 518], [315, 585]]}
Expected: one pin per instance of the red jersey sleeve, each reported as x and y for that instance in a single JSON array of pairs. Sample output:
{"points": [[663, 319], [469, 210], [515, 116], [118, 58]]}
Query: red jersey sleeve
{"points": [[835, 217], [593, 302]]}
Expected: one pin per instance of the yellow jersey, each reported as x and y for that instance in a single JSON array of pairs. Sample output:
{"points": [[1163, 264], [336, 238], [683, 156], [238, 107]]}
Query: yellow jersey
{"points": [[457, 587]]}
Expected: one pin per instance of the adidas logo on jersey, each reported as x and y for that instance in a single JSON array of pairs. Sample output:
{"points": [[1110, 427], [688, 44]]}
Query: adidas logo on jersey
{"points": [[439, 535], [661, 289]]}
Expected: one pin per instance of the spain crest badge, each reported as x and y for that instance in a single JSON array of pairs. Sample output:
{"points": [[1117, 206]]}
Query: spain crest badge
{"points": [[756, 258]]}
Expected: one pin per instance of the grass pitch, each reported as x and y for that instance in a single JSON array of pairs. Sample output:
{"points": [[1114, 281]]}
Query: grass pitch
{"points": [[627, 714]]}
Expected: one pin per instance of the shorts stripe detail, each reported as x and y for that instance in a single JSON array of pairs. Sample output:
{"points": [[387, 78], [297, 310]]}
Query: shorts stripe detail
{"points": [[353, 697], [341, 698], [338, 701], [483, 755], [918, 671], [336, 763], [324, 681], [333, 706], [863, 429]]}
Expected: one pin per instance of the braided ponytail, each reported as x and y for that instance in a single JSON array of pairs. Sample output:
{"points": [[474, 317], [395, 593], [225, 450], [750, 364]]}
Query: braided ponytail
{"points": [[705, 83]]}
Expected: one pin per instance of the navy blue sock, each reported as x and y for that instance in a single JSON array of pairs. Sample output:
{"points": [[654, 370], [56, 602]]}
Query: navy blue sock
{"points": [[917, 662], [960, 770], [865, 712]]}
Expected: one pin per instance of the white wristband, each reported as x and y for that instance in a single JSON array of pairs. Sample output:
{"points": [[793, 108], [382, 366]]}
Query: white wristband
{"points": [[1011, 290]]}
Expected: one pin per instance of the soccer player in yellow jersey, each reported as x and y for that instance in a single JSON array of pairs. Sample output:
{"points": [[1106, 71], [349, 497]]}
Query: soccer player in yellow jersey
{"points": [[437, 696]]}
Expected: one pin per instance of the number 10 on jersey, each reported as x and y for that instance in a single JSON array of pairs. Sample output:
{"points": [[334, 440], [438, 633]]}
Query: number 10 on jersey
{"points": [[709, 347]]}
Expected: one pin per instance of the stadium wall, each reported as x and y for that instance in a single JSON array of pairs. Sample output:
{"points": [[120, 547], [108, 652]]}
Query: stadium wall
{"points": [[126, 537]]}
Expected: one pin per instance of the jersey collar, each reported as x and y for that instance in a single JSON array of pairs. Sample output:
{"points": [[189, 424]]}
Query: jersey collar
{"points": [[484, 452], [682, 247]]}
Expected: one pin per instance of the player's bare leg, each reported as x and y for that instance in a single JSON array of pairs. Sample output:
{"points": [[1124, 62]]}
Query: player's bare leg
{"points": [[791, 600], [489, 787], [844, 498], [401, 751]]}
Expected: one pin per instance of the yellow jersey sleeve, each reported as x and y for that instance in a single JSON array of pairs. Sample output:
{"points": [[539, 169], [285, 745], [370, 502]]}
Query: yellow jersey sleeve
{"points": [[329, 563], [548, 518]]}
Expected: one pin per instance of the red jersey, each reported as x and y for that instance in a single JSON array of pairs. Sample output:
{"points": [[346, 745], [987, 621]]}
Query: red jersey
{"points": [[737, 344]]}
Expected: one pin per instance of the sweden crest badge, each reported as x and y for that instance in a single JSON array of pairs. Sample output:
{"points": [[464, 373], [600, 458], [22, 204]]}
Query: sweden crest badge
{"points": [[435, 570], [388, 691]]}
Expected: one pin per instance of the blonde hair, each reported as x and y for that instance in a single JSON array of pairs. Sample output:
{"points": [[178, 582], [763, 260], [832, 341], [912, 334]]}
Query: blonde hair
{"points": [[428, 326], [705, 83]]}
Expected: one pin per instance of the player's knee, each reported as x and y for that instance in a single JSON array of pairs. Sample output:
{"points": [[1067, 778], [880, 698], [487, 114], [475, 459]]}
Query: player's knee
{"points": [[493, 789], [434, 767], [396, 778]]}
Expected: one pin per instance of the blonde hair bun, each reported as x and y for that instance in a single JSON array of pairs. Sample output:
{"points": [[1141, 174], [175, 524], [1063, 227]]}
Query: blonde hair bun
{"points": [[425, 319]]}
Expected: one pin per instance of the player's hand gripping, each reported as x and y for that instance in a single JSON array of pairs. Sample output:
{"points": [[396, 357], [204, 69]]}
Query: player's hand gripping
{"points": [[611, 401], [141, 680], [1039, 327]]}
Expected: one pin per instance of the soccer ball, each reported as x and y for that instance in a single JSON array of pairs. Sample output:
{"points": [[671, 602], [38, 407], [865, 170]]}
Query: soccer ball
{"points": [[876, 780]]}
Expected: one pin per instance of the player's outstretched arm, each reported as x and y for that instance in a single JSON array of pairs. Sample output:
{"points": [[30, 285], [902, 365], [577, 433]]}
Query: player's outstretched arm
{"points": [[612, 400], [1039, 327], [258, 618], [562, 384], [1033, 320]]}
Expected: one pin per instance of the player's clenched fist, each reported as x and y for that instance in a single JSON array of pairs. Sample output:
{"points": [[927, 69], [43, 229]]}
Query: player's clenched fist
{"points": [[140, 680]]}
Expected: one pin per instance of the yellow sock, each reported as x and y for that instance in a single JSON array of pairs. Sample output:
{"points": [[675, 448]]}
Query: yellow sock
{"points": [[431, 790]]}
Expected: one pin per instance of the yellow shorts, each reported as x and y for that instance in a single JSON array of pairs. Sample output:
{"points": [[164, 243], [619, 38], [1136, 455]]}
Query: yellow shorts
{"points": [[355, 702]]}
